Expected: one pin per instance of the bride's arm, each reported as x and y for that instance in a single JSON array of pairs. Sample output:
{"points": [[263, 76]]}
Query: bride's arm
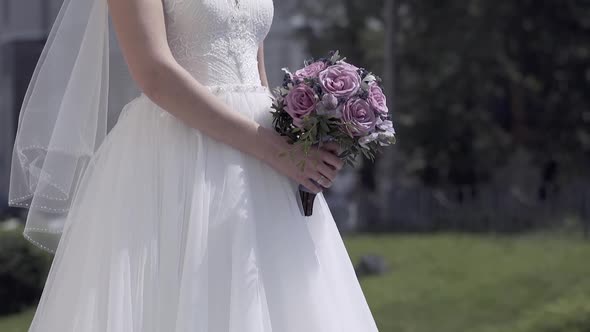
{"points": [[261, 65], [141, 32]]}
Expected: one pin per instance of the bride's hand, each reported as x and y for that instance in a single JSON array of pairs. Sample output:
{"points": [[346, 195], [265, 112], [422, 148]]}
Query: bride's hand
{"points": [[321, 164]]}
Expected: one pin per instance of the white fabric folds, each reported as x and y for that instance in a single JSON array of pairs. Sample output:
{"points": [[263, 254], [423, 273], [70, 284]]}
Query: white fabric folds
{"points": [[172, 231], [63, 119]]}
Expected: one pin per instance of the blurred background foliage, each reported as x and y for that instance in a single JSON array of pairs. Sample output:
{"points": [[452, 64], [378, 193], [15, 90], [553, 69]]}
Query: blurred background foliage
{"points": [[490, 101], [475, 81], [23, 269]]}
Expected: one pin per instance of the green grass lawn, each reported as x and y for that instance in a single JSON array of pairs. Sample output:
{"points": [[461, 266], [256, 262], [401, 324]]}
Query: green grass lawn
{"points": [[460, 283], [17, 323], [467, 283]]}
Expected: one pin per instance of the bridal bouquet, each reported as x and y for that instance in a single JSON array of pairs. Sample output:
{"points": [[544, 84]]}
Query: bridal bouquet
{"points": [[330, 99]]}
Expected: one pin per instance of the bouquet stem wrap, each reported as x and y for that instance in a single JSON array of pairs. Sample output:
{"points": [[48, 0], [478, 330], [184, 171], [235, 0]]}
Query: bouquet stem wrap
{"points": [[307, 200]]}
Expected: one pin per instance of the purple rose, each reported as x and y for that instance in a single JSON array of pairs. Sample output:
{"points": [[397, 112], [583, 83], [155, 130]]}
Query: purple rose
{"points": [[360, 119], [341, 80], [349, 65], [301, 100], [311, 70], [377, 99]]}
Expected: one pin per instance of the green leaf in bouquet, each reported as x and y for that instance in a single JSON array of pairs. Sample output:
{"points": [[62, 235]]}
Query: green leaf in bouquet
{"points": [[324, 126], [345, 154], [368, 154], [335, 57], [350, 162], [283, 91]]}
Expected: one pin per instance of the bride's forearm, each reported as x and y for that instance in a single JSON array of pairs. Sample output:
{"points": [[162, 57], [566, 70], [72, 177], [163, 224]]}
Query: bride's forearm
{"points": [[141, 31], [173, 89]]}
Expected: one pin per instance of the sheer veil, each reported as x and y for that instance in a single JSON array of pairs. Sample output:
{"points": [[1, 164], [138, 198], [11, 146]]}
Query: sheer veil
{"points": [[78, 87]]}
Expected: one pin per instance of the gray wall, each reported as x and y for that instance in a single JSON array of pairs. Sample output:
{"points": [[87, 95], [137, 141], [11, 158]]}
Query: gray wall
{"points": [[23, 26], [282, 48]]}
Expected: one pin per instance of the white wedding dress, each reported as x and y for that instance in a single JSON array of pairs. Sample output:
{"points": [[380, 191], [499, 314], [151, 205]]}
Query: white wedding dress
{"points": [[173, 231]]}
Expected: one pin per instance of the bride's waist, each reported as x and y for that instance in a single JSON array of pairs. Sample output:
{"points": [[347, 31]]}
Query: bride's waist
{"points": [[222, 70], [220, 89], [232, 88], [251, 100], [233, 94]]}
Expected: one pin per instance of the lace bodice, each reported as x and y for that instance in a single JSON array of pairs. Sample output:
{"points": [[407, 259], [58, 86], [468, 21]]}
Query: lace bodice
{"points": [[217, 40]]}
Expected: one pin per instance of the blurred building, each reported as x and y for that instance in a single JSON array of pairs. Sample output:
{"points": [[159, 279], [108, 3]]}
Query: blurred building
{"points": [[24, 26]]}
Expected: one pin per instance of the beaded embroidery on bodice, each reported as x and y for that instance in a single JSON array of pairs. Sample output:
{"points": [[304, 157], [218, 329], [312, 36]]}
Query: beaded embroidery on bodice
{"points": [[217, 40]]}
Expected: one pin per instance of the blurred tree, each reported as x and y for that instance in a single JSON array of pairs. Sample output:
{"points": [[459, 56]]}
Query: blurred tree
{"points": [[389, 75], [477, 80]]}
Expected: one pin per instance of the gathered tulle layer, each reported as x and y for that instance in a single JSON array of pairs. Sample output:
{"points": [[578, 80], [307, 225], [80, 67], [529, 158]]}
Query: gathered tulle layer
{"points": [[173, 231]]}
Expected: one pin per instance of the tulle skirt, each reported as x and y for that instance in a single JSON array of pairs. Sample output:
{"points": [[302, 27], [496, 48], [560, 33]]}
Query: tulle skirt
{"points": [[173, 231]]}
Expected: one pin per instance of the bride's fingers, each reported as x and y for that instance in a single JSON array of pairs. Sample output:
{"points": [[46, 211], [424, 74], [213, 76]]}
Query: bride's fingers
{"points": [[327, 171], [331, 159], [332, 147], [325, 183], [321, 180], [307, 183]]}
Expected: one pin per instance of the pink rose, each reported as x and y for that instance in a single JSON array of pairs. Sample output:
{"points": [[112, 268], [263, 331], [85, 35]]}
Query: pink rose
{"points": [[349, 65], [311, 70], [377, 99], [341, 80], [360, 119], [301, 100]]}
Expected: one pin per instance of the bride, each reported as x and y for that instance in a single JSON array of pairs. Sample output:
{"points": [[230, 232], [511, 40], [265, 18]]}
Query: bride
{"points": [[185, 216]]}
